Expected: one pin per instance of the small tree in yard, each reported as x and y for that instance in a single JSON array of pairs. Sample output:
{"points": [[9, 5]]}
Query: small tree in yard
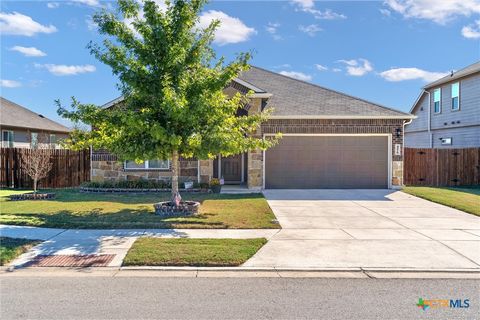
{"points": [[172, 85], [36, 161]]}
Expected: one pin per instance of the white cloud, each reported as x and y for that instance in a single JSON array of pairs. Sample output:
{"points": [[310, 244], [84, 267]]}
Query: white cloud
{"points": [[309, 6], [439, 11], [385, 12], [311, 30], [91, 25], [53, 5], [472, 31], [328, 14], [358, 67], [402, 74], [91, 3], [304, 4], [352, 62], [29, 51], [272, 28], [18, 24], [230, 30], [64, 70], [296, 75], [337, 70], [321, 68], [9, 83]]}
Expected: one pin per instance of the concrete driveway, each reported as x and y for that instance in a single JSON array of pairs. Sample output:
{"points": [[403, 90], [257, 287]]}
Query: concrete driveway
{"points": [[368, 229]]}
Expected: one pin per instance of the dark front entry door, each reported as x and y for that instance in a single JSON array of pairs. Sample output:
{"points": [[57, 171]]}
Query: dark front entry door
{"points": [[232, 168]]}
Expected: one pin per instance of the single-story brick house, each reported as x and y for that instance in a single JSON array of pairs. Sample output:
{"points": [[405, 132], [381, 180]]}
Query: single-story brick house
{"points": [[330, 140]]}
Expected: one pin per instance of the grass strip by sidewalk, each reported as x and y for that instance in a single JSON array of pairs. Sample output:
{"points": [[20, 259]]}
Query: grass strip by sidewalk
{"points": [[465, 199], [192, 252], [10, 248]]}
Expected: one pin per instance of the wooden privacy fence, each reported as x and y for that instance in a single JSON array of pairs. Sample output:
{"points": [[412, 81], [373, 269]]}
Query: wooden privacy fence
{"points": [[69, 168], [442, 167]]}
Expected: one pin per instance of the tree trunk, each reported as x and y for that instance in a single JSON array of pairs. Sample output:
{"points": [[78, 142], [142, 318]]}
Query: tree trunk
{"points": [[35, 185], [176, 198]]}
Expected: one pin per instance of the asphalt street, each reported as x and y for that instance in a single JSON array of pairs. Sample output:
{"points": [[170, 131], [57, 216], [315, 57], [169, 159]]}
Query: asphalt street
{"points": [[99, 297]]}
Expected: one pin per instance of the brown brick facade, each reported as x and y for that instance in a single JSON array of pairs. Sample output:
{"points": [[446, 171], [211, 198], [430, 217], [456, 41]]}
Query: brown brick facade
{"points": [[105, 166], [339, 126]]}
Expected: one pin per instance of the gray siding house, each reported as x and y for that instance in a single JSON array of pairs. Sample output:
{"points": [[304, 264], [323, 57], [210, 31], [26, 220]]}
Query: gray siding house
{"points": [[23, 128], [447, 112]]}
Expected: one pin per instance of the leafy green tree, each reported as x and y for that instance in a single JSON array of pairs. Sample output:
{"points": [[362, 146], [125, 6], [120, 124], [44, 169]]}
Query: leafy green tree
{"points": [[172, 84]]}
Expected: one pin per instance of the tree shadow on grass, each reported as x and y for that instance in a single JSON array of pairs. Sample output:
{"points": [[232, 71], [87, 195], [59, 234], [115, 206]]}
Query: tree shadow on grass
{"points": [[74, 195], [122, 219]]}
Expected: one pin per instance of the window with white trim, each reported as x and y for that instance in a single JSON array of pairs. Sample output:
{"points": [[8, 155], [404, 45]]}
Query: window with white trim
{"points": [[7, 138], [455, 96], [437, 96], [147, 165]]}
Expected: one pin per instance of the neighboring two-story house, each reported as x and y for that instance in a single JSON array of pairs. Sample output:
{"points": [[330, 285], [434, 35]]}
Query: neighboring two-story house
{"points": [[447, 112], [23, 128]]}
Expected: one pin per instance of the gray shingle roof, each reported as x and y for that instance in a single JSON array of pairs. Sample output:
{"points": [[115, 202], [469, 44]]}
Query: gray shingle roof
{"points": [[14, 115], [471, 69], [296, 98]]}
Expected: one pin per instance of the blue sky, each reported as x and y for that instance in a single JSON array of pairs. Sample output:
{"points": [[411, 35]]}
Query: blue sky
{"points": [[383, 51]]}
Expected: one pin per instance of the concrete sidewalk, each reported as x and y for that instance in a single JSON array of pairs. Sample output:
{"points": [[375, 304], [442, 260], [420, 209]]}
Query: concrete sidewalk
{"points": [[111, 242]]}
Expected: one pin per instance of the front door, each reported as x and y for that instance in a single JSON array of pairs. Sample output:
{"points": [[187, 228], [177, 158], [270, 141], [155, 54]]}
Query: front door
{"points": [[231, 169]]}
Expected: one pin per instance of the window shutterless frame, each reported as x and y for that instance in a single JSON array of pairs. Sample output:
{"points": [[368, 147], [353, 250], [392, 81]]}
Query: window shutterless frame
{"points": [[437, 100], [7, 138], [455, 96], [147, 167]]}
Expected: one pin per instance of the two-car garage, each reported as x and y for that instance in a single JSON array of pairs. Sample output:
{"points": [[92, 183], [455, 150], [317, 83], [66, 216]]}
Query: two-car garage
{"points": [[328, 161]]}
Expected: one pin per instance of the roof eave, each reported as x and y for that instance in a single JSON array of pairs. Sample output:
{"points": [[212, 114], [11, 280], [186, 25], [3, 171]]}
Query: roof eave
{"points": [[411, 116], [448, 79]]}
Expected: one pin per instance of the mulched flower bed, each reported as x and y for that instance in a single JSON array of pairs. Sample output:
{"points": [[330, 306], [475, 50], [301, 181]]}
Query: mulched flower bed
{"points": [[32, 196], [134, 190]]}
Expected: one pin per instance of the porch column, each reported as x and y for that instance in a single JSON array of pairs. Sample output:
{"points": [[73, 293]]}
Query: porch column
{"points": [[255, 169], [206, 170], [255, 157]]}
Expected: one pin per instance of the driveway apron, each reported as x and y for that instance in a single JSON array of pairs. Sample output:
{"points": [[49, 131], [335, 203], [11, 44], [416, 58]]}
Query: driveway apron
{"points": [[367, 229]]}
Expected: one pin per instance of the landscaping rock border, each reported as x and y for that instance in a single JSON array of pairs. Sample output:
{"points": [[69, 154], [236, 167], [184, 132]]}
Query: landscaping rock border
{"points": [[167, 209], [32, 196]]}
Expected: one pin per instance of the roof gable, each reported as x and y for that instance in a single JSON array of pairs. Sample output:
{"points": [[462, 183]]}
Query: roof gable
{"points": [[15, 115], [296, 98]]}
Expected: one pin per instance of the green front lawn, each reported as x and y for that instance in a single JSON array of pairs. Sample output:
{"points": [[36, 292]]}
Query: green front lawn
{"points": [[10, 248], [465, 199], [192, 252], [72, 209]]}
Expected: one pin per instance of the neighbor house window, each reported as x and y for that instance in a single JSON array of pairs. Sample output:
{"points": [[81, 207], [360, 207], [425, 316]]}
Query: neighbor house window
{"points": [[149, 164], [53, 140], [456, 96], [7, 139], [437, 106], [33, 139]]}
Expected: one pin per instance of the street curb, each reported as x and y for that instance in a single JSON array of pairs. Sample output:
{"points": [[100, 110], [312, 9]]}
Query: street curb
{"points": [[242, 272]]}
